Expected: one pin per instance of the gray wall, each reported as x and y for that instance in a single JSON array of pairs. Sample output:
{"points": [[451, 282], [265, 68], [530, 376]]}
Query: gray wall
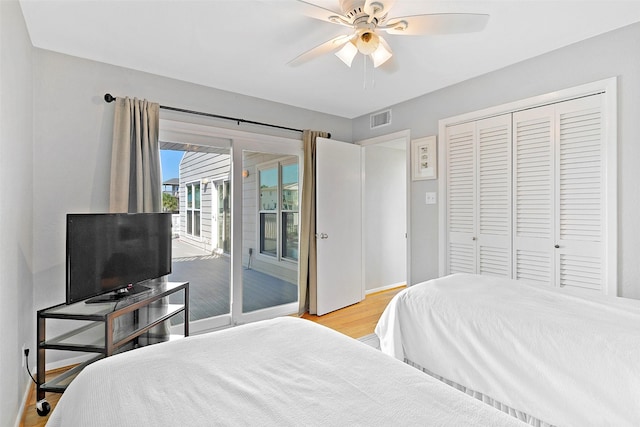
{"points": [[17, 314], [608, 55]]}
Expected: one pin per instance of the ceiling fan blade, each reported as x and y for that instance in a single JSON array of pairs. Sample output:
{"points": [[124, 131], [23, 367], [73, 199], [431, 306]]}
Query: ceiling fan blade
{"points": [[319, 50], [377, 8], [438, 23], [319, 12]]}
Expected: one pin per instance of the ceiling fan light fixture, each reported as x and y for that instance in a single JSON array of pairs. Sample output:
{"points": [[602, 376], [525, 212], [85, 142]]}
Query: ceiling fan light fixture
{"points": [[367, 42], [347, 53], [380, 55], [369, 20]]}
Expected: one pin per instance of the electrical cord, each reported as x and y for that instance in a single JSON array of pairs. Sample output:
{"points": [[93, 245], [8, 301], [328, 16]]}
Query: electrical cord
{"points": [[26, 357]]}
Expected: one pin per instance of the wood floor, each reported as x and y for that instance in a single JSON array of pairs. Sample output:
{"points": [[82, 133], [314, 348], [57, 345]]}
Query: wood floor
{"points": [[359, 319], [355, 321]]}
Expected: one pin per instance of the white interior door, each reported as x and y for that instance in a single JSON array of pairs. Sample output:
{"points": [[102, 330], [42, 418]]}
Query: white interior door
{"points": [[493, 209], [338, 225], [580, 208], [461, 199], [533, 189]]}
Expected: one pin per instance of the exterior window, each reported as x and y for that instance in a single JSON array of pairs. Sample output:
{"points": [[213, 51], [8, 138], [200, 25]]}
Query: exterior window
{"points": [[269, 211], [193, 209], [278, 214]]}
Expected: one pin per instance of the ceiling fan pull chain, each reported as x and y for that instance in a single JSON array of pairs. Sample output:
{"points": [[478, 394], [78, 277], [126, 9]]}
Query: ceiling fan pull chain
{"points": [[373, 73], [373, 76], [364, 77]]}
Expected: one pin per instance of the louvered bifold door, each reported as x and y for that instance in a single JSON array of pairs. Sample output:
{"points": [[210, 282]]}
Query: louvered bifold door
{"points": [[533, 195], [493, 209], [461, 188], [579, 182]]}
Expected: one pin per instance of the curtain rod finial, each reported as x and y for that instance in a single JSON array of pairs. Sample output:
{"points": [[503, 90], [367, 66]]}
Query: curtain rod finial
{"points": [[108, 97]]}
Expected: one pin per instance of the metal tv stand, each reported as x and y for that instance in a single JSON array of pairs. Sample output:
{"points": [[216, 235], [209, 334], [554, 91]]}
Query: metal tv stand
{"points": [[107, 328]]}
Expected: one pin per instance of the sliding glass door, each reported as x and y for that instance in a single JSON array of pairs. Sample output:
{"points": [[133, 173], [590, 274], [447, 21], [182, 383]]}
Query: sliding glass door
{"points": [[235, 203], [266, 241], [195, 189], [270, 230]]}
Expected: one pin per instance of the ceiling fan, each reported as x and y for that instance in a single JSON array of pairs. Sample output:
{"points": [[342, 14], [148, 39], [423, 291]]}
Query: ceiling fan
{"points": [[368, 18]]}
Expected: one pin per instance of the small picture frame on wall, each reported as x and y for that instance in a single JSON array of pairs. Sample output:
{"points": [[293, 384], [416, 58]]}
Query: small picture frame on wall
{"points": [[424, 162]]}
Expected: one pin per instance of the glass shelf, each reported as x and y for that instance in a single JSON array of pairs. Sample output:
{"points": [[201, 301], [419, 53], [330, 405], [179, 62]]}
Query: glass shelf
{"points": [[60, 383], [99, 311], [147, 318], [85, 338], [90, 337]]}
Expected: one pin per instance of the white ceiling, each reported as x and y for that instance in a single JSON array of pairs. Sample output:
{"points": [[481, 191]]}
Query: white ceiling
{"points": [[243, 46]]}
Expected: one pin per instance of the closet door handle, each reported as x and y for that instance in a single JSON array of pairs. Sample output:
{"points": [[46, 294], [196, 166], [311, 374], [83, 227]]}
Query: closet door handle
{"points": [[557, 246], [473, 238]]}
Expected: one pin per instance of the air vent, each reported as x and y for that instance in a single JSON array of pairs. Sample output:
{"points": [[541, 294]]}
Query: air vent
{"points": [[382, 118]]}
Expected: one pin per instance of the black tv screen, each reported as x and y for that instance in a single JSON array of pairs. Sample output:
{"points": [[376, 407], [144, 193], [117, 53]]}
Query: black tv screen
{"points": [[109, 252]]}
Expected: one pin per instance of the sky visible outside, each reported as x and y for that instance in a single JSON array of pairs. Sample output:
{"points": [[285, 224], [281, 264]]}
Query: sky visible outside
{"points": [[170, 161]]}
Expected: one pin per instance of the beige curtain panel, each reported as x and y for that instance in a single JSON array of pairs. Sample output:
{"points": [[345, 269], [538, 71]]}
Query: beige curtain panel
{"points": [[135, 158], [307, 259], [136, 179]]}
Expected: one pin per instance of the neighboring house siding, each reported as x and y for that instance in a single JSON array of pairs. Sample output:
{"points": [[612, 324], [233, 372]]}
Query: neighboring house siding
{"points": [[196, 167]]}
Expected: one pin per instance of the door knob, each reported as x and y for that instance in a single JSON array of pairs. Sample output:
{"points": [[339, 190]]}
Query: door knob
{"points": [[322, 236], [557, 246]]}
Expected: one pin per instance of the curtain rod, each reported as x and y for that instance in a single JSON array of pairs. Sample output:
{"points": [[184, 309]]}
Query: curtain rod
{"points": [[109, 98]]}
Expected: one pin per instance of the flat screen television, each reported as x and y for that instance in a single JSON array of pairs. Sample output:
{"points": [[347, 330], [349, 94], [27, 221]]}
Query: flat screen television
{"points": [[109, 255]]}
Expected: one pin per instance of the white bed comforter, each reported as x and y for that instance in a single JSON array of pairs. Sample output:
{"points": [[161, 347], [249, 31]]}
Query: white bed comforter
{"points": [[282, 372], [565, 359]]}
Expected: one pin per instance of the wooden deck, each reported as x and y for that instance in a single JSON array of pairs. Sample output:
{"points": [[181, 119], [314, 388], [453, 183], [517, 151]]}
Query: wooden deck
{"points": [[209, 278]]}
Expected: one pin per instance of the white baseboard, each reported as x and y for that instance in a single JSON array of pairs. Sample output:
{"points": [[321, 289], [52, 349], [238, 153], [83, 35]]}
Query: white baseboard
{"points": [[384, 288], [23, 404]]}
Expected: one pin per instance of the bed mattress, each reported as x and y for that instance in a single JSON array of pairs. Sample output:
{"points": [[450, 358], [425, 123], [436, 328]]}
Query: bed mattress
{"points": [[281, 372], [562, 358]]}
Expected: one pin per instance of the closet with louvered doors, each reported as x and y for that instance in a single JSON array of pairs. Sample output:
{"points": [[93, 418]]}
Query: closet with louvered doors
{"points": [[525, 195], [558, 194], [479, 196]]}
